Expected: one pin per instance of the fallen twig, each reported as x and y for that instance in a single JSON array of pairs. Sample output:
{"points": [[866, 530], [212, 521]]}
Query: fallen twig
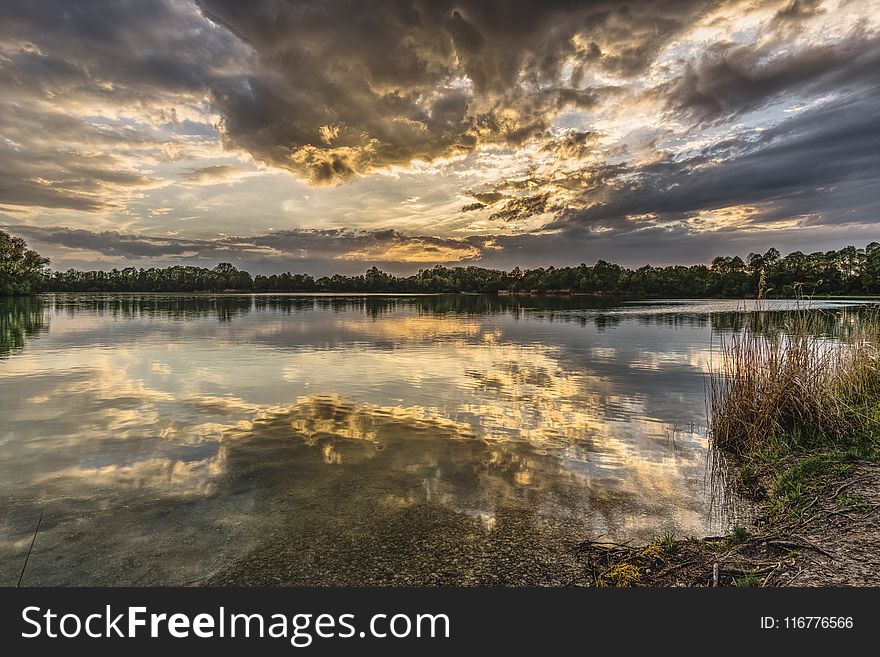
{"points": [[846, 485], [770, 574]]}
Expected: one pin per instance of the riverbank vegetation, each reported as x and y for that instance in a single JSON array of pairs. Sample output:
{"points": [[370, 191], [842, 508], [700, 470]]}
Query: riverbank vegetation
{"points": [[794, 425], [790, 404], [848, 271]]}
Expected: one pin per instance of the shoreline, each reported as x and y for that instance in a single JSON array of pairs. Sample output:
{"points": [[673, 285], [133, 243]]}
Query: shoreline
{"points": [[828, 542], [868, 298]]}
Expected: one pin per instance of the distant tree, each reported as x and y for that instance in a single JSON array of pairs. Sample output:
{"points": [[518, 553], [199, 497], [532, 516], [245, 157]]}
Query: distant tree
{"points": [[22, 270], [850, 270], [871, 272]]}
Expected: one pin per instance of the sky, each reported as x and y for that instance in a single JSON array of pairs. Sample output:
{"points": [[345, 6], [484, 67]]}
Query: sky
{"points": [[328, 136]]}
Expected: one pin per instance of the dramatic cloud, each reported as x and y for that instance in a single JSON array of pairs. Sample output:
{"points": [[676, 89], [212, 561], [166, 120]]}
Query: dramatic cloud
{"points": [[339, 133], [523, 206], [731, 79], [344, 87], [819, 165], [93, 95], [329, 250]]}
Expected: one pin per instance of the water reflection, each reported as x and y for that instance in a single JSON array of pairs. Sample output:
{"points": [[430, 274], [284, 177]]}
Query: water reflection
{"points": [[21, 318], [313, 440]]}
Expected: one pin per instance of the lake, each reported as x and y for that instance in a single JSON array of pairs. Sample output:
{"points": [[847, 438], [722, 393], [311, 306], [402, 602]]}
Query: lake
{"points": [[322, 440]]}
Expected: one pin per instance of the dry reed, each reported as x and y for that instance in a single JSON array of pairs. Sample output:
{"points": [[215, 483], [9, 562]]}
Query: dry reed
{"points": [[792, 381]]}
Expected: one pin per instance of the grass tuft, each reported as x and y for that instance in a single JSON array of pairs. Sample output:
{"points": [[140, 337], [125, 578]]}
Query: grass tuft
{"points": [[792, 404], [749, 580], [737, 535], [667, 542]]}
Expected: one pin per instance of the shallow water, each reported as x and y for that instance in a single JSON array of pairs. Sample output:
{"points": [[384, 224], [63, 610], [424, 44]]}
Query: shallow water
{"points": [[177, 439]]}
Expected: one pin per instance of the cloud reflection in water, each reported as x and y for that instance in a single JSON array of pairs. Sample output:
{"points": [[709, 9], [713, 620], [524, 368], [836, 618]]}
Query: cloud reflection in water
{"points": [[164, 445]]}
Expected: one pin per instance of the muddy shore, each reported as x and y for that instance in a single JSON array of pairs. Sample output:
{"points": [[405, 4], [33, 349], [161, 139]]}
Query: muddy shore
{"points": [[834, 543]]}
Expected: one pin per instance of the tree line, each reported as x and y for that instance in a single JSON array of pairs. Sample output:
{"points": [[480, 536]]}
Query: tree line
{"points": [[849, 270]]}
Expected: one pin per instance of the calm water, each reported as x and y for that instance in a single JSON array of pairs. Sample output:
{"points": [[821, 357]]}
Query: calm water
{"points": [[334, 440]]}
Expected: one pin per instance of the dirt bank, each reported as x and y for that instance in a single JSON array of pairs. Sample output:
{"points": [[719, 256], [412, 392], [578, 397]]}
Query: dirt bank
{"points": [[833, 542]]}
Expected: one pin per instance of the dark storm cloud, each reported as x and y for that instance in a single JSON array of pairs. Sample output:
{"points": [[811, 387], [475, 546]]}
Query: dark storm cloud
{"points": [[311, 250], [142, 47], [95, 96], [821, 163], [728, 80], [488, 197], [327, 89], [821, 166], [110, 243], [344, 87], [522, 207], [576, 145], [345, 243]]}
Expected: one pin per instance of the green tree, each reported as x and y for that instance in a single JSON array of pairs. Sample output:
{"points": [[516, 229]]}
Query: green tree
{"points": [[871, 273], [22, 270]]}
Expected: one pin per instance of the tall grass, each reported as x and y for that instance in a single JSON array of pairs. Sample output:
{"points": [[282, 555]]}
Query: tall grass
{"points": [[789, 384]]}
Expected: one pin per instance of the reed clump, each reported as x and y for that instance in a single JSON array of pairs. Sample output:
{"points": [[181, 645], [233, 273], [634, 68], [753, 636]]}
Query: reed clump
{"points": [[786, 389]]}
